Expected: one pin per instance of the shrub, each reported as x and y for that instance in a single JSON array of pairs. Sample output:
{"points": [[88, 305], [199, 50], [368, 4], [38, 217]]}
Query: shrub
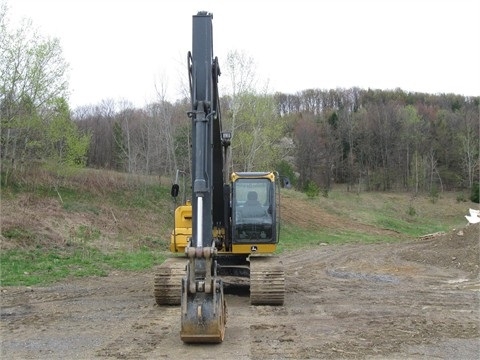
{"points": [[286, 173], [311, 189], [411, 211], [461, 197], [475, 196]]}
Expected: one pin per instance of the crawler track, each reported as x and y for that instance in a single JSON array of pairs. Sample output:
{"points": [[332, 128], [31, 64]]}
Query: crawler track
{"points": [[168, 281], [267, 281]]}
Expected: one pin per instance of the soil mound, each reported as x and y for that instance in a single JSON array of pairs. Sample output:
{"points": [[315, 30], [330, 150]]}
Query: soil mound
{"points": [[458, 249]]}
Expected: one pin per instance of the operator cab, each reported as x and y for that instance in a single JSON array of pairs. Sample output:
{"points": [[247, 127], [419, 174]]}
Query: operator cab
{"points": [[254, 208]]}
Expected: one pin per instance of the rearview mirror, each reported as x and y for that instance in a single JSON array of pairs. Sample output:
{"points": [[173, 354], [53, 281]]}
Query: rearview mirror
{"points": [[174, 191]]}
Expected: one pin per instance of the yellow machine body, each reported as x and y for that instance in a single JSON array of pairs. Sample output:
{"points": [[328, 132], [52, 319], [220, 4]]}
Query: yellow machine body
{"points": [[182, 232]]}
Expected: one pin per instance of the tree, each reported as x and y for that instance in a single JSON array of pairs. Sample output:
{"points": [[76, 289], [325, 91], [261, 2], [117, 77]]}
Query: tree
{"points": [[240, 69], [164, 129], [308, 150], [347, 129], [64, 144], [99, 121], [468, 136], [33, 87], [252, 118], [411, 137], [258, 132]]}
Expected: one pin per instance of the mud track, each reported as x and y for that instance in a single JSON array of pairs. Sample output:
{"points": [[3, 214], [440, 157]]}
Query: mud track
{"points": [[414, 300]]}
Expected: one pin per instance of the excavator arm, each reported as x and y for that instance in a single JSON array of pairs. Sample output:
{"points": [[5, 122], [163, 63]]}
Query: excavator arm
{"points": [[202, 300]]}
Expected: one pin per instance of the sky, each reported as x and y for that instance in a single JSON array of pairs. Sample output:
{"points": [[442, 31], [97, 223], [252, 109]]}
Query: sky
{"points": [[127, 49]]}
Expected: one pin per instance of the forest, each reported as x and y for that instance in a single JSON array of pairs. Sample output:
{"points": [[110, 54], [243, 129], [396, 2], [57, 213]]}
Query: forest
{"points": [[366, 139]]}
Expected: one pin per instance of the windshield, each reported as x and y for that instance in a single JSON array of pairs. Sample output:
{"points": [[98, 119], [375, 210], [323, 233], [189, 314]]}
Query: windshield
{"points": [[253, 209]]}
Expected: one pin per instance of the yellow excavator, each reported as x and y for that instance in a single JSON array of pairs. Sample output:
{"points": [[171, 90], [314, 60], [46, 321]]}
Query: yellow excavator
{"points": [[230, 226]]}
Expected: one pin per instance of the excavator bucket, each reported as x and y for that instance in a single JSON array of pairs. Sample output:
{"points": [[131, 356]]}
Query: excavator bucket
{"points": [[203, 315]]}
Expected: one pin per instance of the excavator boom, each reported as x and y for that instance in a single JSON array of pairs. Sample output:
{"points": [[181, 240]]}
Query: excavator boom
{"points": [[202, 300]]}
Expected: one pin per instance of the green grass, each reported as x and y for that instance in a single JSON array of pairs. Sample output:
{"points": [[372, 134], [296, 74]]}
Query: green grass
{"points": [[293, 237], [413, 228], [405, 216], [20, 267], [17, 233], [138, 260]]}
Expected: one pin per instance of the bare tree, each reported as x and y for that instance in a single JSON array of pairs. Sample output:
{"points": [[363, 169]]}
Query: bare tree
{"points": [[124, 140], [468, 135], [166, 128], [308, 149], [240, 69]]}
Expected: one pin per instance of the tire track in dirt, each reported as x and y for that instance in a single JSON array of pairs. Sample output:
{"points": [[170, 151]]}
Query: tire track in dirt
{"points": [[374, 301]]}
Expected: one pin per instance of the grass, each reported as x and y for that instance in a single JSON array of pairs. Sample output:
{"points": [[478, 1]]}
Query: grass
{"points": [[399, 212], [40, 266], [147, 197], [293, 237], [413, 228], [90, 224], [98, 221]]}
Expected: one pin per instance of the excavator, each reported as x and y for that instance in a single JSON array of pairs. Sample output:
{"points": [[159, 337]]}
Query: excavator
{"points": [[230, 227]]}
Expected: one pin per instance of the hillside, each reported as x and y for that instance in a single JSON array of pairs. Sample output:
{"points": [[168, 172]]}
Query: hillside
{"points": [[98, 221]]}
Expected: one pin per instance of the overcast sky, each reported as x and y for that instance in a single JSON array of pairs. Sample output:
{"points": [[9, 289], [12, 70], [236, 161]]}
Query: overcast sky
{"points": [[120, 49]]}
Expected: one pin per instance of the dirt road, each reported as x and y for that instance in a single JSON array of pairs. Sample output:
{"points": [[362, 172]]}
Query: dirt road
{"points": [[415, 300]]}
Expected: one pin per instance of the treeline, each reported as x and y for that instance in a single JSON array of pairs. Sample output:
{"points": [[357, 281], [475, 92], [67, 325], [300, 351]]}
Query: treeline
{"points": [[383, 140], [368, 139], [156, 139]]}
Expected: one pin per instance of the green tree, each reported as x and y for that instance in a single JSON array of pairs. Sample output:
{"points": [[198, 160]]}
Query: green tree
{"points": [[34, 114], [64, 144], [258, 132], [475, 195], [252, 118]]}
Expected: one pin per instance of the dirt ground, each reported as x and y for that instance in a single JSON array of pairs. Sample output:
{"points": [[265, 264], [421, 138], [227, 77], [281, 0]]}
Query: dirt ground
{"points": [[407, 300]]}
